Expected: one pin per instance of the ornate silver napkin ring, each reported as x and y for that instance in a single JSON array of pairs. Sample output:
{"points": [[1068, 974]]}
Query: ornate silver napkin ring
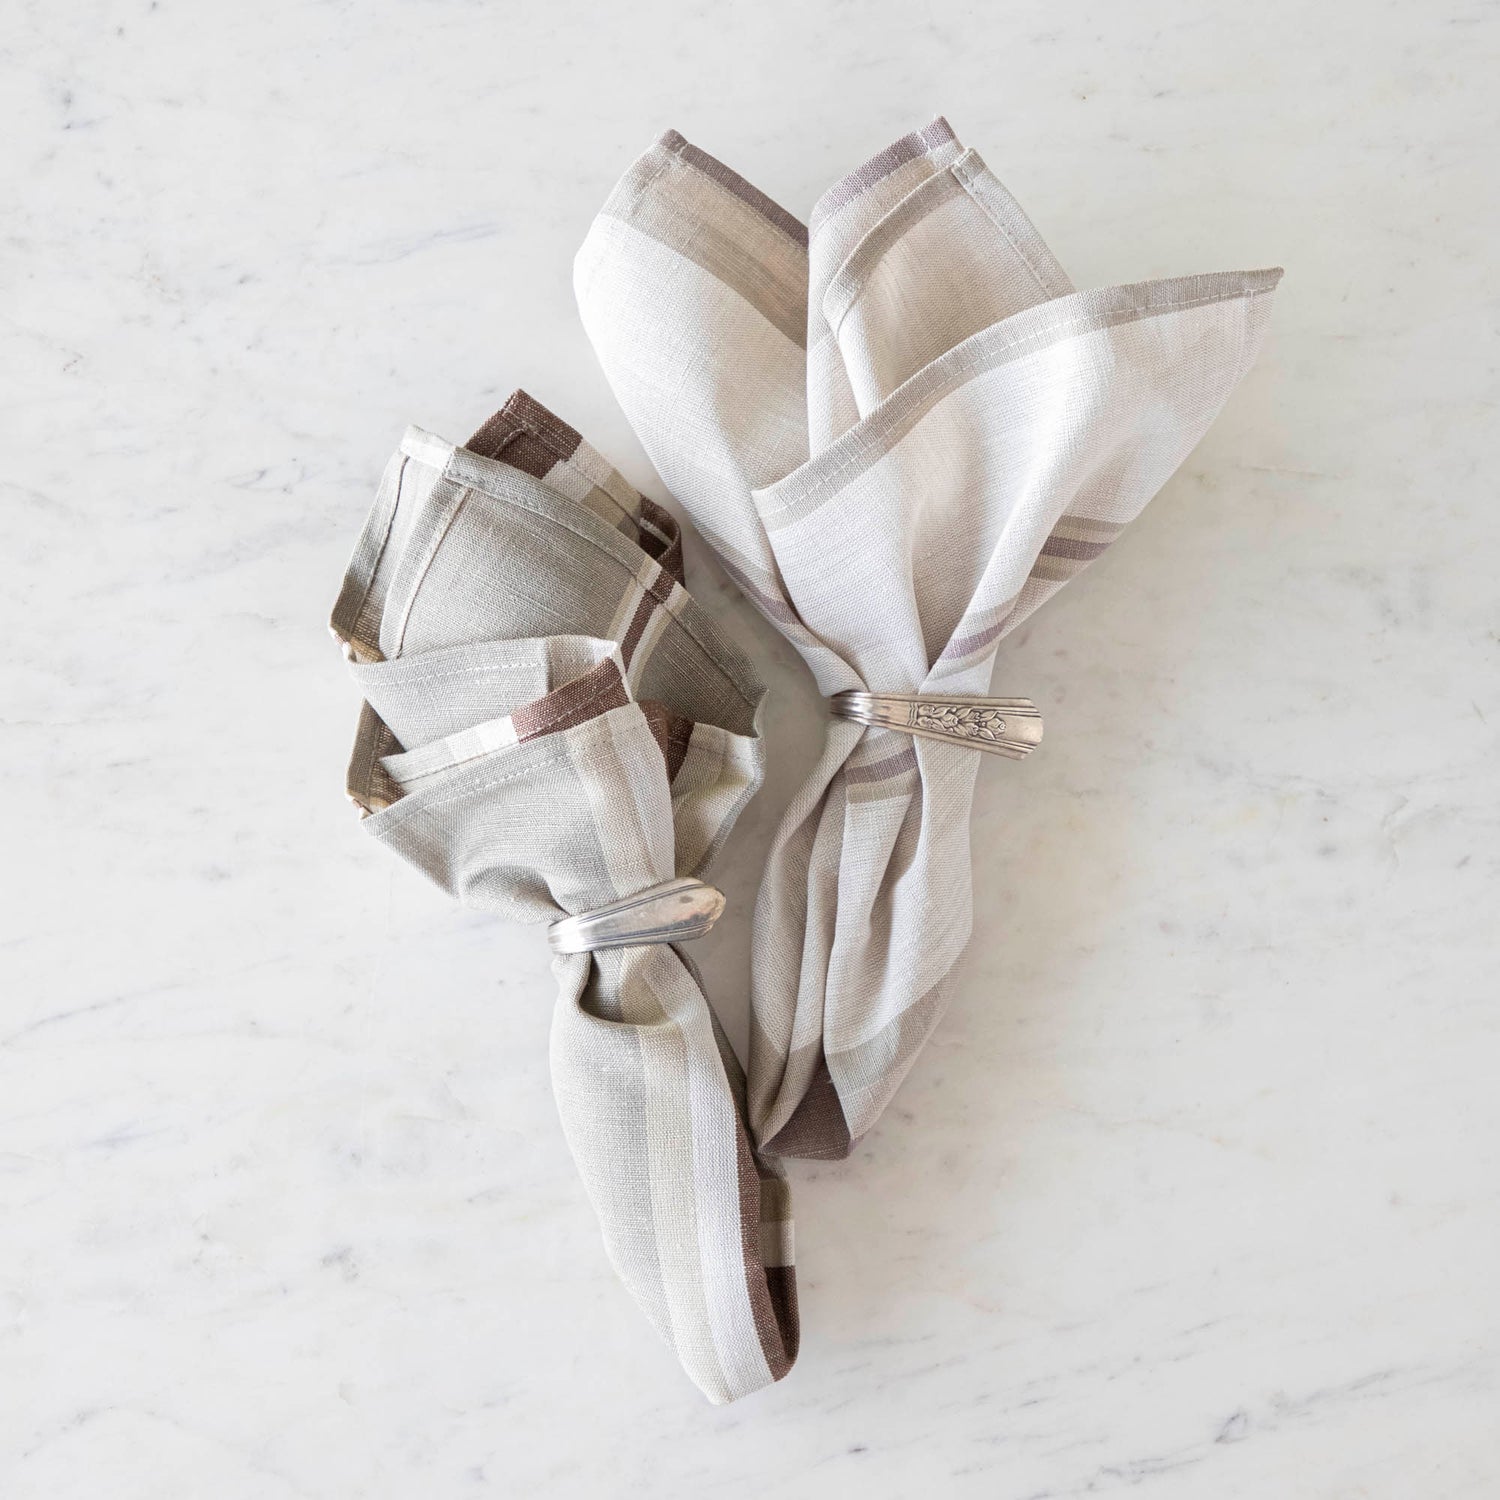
{"points": [[999, 726], [674, 912]]}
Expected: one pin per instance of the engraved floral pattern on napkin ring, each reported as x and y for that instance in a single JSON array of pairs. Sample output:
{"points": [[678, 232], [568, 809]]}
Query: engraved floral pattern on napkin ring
{"points": [[999, 726]]}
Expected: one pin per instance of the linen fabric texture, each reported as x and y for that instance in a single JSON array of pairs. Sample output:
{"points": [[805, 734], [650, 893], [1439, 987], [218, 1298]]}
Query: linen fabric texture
{"points": [[551, 723], [902, 429]]}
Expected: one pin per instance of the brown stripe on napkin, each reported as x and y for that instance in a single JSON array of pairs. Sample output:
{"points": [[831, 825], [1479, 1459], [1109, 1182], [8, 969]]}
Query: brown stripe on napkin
{"points": [[528, 435], [818, 1129], [771, 275], [574, 703], [1074, 542], [772, 1290], [672, 733], [881, 165], [645, 607], [656, 593], [979, 636], [660, 537], [880, 779], [904, 759], [1069, 547], [1080, 538], [770, 210], [781, 1288], [367, 783]]}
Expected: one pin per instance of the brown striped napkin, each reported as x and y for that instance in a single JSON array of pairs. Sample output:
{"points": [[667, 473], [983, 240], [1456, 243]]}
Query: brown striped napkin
{"points": [[902, 429], [550, 724]]}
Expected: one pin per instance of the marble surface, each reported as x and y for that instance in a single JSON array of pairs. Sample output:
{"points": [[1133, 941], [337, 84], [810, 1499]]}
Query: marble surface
{"points": [[1195, 1194]]}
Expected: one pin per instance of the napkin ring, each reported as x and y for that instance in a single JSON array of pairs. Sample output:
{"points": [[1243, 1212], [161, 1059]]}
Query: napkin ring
{"points": [[674, 912], [999, 726]]}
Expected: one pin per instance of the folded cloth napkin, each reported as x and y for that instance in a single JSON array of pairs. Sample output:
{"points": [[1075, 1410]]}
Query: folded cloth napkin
{"points": [[902, 430], [552, 724]]}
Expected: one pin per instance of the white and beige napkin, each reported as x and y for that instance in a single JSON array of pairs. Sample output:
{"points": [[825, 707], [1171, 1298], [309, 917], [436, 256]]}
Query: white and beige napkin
{"points": [[902, 430], [551, 724]]}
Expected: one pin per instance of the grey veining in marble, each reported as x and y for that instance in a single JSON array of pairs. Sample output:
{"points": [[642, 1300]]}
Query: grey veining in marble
{"points": [[1195, 1194]]}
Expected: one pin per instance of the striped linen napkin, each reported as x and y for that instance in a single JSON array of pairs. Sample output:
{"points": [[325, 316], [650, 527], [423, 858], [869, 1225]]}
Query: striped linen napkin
{"points": [[551, 724], [902, 430]]}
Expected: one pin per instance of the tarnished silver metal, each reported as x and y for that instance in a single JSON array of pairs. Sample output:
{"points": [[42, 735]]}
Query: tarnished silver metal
{"points": [[999, 726], [674, 912]]}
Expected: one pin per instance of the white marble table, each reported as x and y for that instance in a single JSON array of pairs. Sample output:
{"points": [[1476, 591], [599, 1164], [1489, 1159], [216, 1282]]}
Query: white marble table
{"points": [[1195, 1194]]}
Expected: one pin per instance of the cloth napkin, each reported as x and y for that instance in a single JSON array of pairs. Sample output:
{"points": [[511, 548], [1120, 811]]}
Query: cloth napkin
{"points": [[551, 724], [902, 429]]}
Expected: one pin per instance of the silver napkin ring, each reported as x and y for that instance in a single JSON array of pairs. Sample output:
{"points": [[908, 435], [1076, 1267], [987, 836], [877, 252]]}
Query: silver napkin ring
{"points": [[1000, 726], [674, 912]]}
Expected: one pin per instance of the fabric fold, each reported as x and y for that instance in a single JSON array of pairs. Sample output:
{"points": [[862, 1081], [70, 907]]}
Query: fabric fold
{"points": [[551, 723], [902, 431]]}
